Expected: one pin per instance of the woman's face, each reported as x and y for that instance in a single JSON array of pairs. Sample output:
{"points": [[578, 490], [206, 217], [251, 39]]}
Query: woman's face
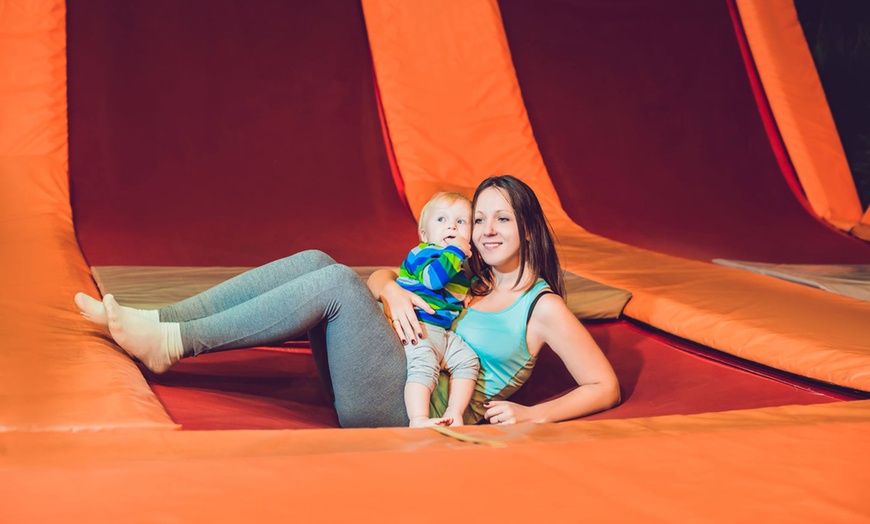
{"points": [[494, 232]]}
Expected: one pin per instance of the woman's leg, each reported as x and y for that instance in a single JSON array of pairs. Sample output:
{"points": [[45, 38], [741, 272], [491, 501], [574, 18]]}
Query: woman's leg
{"points": [[222, 296], [93, 310], [354, 346], [365, 362], [245, 286]]}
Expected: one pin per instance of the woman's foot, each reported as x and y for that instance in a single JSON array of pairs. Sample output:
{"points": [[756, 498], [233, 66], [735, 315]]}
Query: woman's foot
{"points": [[93, 310], [155, 344]]}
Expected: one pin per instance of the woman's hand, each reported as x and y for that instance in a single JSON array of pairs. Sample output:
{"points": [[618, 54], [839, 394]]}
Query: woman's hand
{"points": [[399, 304], [505, 412]]}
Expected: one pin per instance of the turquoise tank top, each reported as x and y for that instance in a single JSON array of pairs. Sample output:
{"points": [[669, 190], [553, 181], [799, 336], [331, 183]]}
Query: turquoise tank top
{"points": [[499, 339]]}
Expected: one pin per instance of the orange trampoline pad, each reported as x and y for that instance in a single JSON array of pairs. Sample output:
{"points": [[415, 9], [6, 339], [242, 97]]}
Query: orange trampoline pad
{"points": [[798, 102], [780, 464]]}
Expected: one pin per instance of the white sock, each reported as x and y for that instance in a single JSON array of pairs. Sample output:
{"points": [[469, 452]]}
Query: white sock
{"points": [[171, 333], [150, 314]]}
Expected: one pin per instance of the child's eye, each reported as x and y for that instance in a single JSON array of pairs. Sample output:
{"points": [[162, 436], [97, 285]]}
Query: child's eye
{"points": [[440, 219], [462, 221]]}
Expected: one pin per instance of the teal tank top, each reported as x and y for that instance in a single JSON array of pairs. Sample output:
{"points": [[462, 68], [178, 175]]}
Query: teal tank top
{"points": [[499, 339]]}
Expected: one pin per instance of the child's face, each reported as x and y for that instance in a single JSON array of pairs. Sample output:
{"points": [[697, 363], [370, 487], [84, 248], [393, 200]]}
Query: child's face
{"points": [[447, 222]]}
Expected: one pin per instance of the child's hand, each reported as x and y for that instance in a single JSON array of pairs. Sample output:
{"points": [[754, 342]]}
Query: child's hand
{"points": [[423, 422], [462, 244]]}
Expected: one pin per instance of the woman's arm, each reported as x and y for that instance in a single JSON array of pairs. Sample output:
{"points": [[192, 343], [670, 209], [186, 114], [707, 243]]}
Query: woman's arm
{"points": [[553, 324], [398, 304]]}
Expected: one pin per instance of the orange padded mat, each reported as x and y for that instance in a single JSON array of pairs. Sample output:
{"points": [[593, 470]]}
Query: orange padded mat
{"points": [[803, 463], [798, 102]]}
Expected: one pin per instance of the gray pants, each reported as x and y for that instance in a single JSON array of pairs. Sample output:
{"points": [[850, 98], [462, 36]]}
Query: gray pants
{"points": [[440, 349], [359, 357]]}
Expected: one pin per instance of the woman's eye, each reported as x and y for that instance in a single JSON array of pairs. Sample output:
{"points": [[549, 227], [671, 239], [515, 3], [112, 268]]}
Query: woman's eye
{"points": [[478, 221], [503, 219]]}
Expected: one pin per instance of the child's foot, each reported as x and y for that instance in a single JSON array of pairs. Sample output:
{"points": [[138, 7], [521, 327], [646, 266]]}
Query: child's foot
{"points": [[455, 418], [424, 422], [155, 344], [92, 309]]}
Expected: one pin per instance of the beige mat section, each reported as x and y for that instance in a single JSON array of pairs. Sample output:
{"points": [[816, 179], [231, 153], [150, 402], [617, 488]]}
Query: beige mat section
{"points": [[152, 287], [847, 280]]}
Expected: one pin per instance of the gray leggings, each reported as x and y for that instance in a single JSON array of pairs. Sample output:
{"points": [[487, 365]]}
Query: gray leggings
{"points": [[359, 357]]}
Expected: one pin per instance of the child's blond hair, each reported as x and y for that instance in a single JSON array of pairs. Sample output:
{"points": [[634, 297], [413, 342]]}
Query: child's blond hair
{"points": [[447, 197]]}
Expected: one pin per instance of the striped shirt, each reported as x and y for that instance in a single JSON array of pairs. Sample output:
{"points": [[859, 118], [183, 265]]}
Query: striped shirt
{"points": [[435, 274]]}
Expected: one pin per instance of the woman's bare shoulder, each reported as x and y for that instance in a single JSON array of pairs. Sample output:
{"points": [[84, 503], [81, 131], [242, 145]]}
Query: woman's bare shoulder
{"points": [[551, 310]]}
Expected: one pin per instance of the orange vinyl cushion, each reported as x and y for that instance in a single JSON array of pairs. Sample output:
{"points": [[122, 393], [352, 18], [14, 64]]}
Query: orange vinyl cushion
{"points": [[798, 103]]}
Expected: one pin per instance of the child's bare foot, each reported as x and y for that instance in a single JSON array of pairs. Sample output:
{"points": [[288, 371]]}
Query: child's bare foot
{"points": [[456, 418], [424, 422], [155, 344], [92, 309]]}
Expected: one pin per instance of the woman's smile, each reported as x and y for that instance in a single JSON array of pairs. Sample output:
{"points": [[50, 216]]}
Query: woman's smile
{"points": [[495, 231]]}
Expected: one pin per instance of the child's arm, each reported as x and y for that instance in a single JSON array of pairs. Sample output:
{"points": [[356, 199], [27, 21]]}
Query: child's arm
{"points": [[438, 271]]}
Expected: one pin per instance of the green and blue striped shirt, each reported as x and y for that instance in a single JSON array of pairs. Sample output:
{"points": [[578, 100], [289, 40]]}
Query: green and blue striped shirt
{"points": [[435, 273]]}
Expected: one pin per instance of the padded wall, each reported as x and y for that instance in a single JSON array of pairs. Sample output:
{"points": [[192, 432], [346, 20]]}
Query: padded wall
{"points": [[803, 113], [55, 374], [227, 135], [646, 120]]}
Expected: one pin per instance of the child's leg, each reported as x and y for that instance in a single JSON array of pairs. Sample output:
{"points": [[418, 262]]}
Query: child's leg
{"points": [[461, 390], [417, 403], [365, 363], [462, 363], [423, 368]]}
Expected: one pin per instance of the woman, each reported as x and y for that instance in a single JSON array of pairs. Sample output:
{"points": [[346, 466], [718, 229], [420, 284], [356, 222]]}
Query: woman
{"points": [[516, 308], [360, 361]]}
